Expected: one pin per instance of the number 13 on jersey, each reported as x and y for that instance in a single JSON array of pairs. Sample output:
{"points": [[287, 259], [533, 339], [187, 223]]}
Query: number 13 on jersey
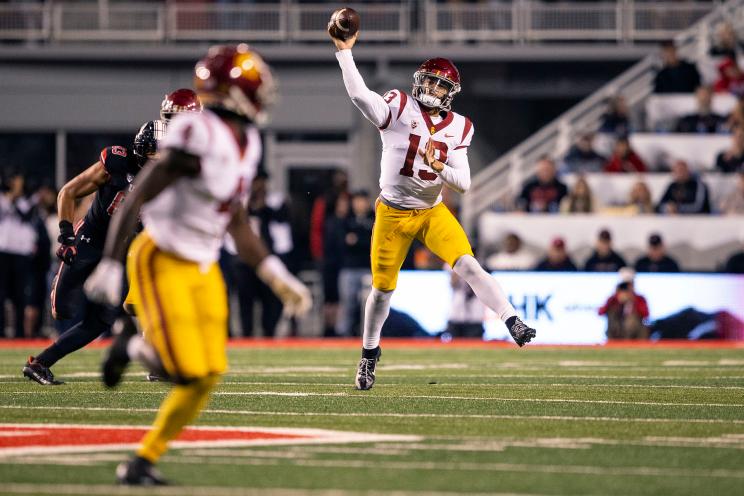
{"points": [[413, 145]]}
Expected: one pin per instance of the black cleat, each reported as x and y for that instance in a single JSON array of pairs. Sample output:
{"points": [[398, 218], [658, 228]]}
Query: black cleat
{"points": [[365, 376], [521, 333], [152, 377], [117, 358], [39, 373], [139, 472]]}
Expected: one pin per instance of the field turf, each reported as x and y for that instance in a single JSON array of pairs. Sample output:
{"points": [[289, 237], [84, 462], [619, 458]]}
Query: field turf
{"points": [[487, 420]]}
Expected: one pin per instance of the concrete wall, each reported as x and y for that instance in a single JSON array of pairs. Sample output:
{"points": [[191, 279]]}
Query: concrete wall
{"points": [[115, 88]]}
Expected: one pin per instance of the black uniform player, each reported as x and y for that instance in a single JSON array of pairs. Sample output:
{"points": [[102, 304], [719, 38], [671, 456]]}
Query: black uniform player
{"points": [[81, 247]]}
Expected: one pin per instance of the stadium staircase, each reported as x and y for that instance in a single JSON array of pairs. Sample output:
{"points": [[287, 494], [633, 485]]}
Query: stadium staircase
{"points": [[497, 183]]}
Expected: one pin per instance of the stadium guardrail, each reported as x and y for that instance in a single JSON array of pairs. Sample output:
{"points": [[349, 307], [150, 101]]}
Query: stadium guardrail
{"points": [[404, 21]]}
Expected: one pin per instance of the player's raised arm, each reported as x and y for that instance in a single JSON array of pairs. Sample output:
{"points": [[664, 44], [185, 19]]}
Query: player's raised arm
{"points": [[373, 106]]}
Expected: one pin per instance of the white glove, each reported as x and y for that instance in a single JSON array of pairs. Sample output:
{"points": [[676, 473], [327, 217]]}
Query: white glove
{"points": [[294, 295], [104, 284]]}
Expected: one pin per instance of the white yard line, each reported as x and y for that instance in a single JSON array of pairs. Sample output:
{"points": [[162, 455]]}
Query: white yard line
{"points": [[484, 467], [392, 415], [417, 396]]}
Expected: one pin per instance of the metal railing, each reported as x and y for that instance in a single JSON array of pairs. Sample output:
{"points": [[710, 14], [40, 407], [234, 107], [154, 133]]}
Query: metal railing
{"points": [[496, 185], [406, 21]]}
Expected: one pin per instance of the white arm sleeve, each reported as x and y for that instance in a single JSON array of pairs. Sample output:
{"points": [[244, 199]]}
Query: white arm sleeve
{"points": [[372, 105], [456, 172]]}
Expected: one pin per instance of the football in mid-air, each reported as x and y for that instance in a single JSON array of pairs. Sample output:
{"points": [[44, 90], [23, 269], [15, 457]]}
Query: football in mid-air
{"points": [[344, 23]]}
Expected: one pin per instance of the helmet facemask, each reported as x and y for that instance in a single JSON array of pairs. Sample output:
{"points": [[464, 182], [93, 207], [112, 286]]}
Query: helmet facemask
{"points": [[434, 91], [147, 140]]}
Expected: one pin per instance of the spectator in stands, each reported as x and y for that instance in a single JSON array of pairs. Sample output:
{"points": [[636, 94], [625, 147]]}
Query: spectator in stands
{"points": [[513, 255], [640, 199], [656, 258], [580, 200], [38, 277], [687, 194], [704, 120], [355, 266], [625, 311], [731, 78], [18, 243], [725, 43], [735, 264], [543, 193], [334, 245], [324, 207], [676, 75], [269, 215], [604, 258], [616, 120], [732, 160], [582, 157], [624, 159], [557, 259], [639, 202], [733, 203]]}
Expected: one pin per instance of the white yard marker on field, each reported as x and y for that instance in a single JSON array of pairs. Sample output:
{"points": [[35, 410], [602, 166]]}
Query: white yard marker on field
{"points": [[568, 470], [394, 415], [417, 396]]}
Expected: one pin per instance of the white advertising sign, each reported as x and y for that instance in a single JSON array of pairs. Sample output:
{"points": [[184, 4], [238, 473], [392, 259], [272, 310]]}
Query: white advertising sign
{"points": [[563, 306]]}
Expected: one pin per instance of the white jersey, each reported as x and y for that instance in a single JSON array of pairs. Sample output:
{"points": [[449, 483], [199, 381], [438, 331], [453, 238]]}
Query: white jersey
{"points": [[405, 180], [189, 218], [405, 127]]}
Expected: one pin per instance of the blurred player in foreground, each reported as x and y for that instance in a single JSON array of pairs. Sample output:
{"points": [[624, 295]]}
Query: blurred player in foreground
{"points": [[80, 250], [191, 197], [424, 147]]}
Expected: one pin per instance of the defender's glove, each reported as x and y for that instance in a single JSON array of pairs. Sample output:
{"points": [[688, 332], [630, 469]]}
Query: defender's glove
{"points": [[67, 249], [294, 295], [104, 284]]}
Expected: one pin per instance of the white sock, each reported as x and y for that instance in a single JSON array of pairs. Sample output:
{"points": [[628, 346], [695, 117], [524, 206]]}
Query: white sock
{"points": [[375, 312], [485, 287]]}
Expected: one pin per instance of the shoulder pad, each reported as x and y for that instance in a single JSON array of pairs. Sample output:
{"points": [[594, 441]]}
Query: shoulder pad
{"points": [[115, 159]]}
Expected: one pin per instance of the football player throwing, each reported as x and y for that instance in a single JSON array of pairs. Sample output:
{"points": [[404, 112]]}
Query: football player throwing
{"points": [[424, 147]]}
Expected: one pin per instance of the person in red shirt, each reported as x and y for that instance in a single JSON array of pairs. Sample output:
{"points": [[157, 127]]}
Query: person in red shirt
{"points": [[626, 311], [624, 159], [731, 78]]}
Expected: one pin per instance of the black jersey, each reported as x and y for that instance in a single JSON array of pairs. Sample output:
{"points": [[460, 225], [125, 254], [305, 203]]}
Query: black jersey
{"points": [[121, 165]]}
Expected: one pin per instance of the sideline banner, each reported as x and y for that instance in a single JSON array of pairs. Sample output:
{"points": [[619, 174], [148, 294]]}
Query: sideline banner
{"points": [[563, 306]]}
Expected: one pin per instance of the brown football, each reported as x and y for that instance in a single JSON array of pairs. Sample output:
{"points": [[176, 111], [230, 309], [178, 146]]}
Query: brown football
{"points": [[344, 23]]}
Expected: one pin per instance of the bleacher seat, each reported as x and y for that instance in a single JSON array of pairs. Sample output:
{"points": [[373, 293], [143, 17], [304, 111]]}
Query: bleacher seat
{"points": [[614, 189], [658, 150], [663, 111], [698, 150], [699, 243]]}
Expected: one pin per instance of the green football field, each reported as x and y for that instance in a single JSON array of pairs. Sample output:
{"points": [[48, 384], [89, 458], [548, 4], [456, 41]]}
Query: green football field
{"points": [[539, 420]]}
